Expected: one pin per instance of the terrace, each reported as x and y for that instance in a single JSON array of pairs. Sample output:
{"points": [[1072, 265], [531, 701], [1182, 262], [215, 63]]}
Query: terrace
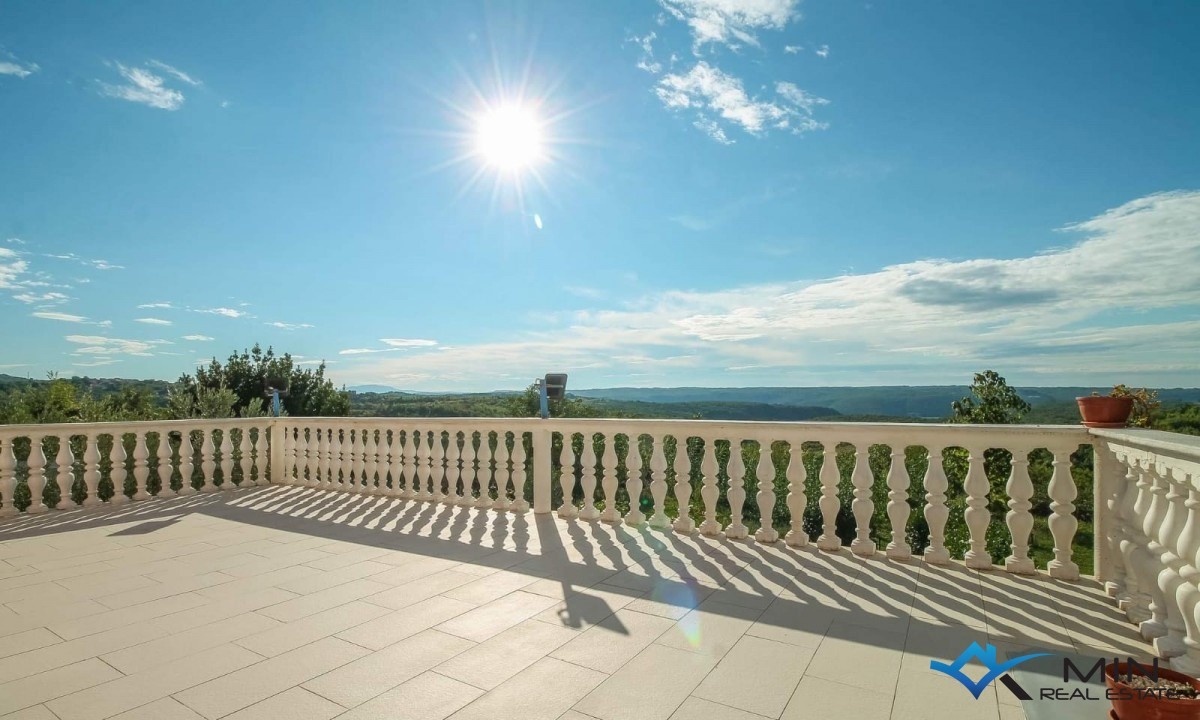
{"points": [[403, 568]]}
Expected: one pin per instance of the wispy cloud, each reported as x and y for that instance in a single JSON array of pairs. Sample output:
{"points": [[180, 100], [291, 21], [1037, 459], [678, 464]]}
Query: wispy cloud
{"points": [[1070, 313], [731, 22], [49, 298], [366, 351], [289, 326], [143, 86], [99, 345], [197, 338], [62, 317], [791, 50], [823, 51], [646, 61], [10, 65], [153, 321], [709, 94], [407, 342], [156, 306], [224, 312]]}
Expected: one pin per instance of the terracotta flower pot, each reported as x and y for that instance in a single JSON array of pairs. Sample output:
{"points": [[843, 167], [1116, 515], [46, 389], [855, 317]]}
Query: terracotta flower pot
{"points": [[1105, 412], [1127, 705]]}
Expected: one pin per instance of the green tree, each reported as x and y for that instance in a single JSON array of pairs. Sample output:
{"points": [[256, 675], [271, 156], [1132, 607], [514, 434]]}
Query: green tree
{"points": [[248, 374], [992, 402]]}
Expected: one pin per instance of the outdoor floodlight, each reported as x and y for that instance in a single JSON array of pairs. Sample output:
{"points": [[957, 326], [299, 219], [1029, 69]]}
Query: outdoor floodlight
{"points": [[551, 387]]}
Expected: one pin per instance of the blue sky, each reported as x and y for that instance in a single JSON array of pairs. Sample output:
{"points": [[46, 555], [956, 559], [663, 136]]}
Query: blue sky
{"points": [[682, 192]]}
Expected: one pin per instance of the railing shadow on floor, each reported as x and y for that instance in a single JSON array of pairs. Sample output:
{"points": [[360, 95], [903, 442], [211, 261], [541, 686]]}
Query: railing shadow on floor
{"points": [[802, 591]]}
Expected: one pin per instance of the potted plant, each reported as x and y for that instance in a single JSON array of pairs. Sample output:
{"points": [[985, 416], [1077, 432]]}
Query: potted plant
{"points": [[1120, 408], [1170, 696]]}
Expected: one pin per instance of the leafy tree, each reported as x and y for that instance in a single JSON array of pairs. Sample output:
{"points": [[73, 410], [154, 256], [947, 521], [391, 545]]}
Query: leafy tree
{"points": [[992, 402], [248, 374]]}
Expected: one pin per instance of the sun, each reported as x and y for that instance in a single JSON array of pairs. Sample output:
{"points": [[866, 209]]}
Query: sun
{"points": [[509, 138]]}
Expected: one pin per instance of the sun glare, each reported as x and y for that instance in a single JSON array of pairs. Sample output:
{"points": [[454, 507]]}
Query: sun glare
{"points": [[509, 138]]}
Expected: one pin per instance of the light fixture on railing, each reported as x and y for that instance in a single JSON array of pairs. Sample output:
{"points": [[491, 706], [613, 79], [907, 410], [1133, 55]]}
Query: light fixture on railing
{"points": [[551, 387], [276, 388]]}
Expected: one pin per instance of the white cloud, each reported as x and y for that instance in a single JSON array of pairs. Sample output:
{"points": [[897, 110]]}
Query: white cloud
{"points": [[104, 265], [792, 49], [706, 89], [407, 342], [174, 72], [143, 86], [99, 345], [105, 323], [13, 66], [366, 351], [316, 362], [97, 363], [153, 321], [1074, 314], [731, 22], [156, 305], [49, 298], [64, 317], [289, 326], [225, 312], [823, 51], [197, 338], [646, 61]]}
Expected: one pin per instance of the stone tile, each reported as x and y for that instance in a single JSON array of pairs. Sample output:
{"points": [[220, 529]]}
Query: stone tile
{"points": [[651, 686], [378, 672], [798, 623], [818, 699], [587, 607], [165, 709], [429, 696], [613, 641], [398, 625], [306, 605], [278, 638], [12, 622], [543, 692], [859, 656], [921, 695], [132, 691], [228, 694], [415, 591], [328, 578], [37, 712], [490, 587], [712, 629], [71, 629], [18, 643], [125, 596], [494, 661], [928, 641], [497, 616], [757, 675], [256, 583], [187, 642], [415, 570], [672, 599], [37, 689], [294, 704], [696, 709]]}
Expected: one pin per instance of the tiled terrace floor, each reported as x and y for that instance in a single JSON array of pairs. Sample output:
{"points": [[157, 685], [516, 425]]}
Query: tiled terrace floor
{"points": [[294, 603]]}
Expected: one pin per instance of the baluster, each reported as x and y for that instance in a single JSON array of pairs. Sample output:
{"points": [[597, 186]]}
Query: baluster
{"points": [[977, 516], [336, 482], [709, 492], [828, 502], [1149, 553], [633, 482], [862, 507], [483, 469], [390, 456], [1170, 561], [897, 507], [736, 470], [796, 500], [1113, 486], [187, 456], [208, 463], [609, 483], [1135, 606], [520, 468], [658, 483], [289, 453], [141, 468], [935, 510], [765, 472], [8, 477], [309, 445], [503, 455], [37, 476], [322, 479], [164, 464], [1019, 520], [372, 465], [1062, 520], [566, 477], [683, 487], [91, 471], [227, 458], [1187, 597], [440, 472], [117, 474], [358, 460], [420, 445], [347, 457], [246, 462], [64, 472], [589, 511], [458, 486]]}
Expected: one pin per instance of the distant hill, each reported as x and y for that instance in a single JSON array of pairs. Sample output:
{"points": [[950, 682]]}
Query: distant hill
{"points": [[916, 401], [372, 389]]}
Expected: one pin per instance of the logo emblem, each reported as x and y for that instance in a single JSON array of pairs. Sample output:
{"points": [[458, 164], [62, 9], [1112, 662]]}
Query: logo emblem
{"points": [[995, 669]]}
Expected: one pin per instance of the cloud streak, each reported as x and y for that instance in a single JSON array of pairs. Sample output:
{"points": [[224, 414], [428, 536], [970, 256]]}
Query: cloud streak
{"points": [[144, 87]]}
